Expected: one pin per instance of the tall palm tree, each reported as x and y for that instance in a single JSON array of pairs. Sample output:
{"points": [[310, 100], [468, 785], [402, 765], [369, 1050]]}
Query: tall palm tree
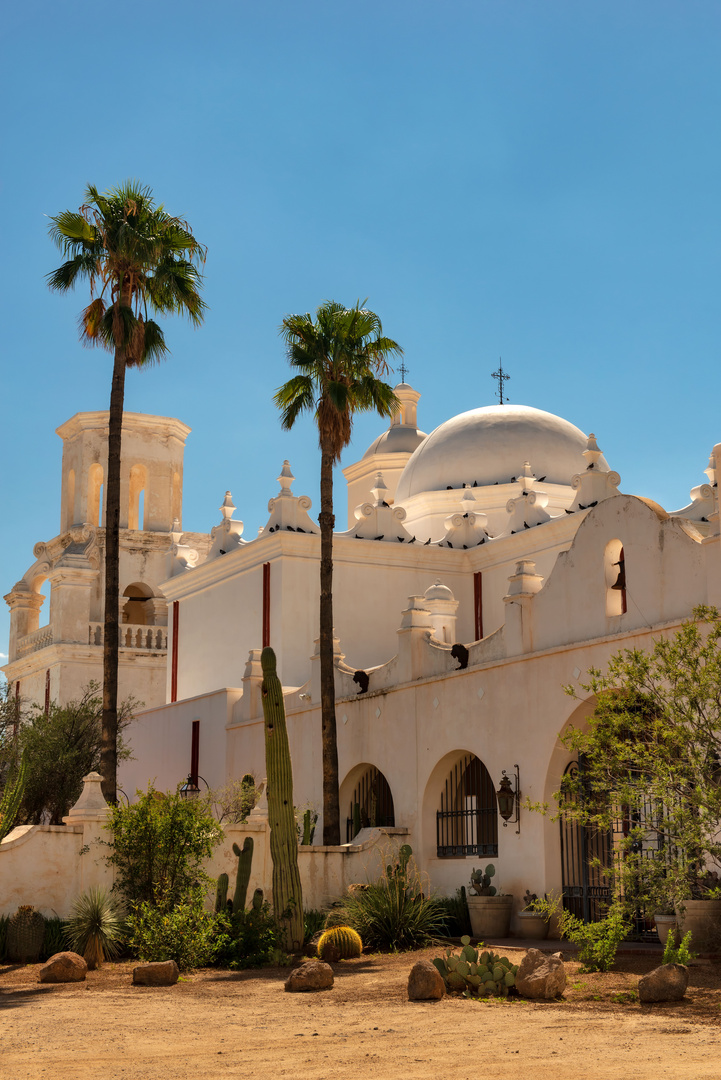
{"points": [[339, 357], [137, 259]]}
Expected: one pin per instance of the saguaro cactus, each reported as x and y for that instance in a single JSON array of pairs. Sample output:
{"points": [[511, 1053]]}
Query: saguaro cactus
{"points": [[245, 858], [287, 895]]}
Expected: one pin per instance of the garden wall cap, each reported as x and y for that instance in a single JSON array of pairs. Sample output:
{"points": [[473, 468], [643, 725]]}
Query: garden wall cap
{"points": [[91, 804]]}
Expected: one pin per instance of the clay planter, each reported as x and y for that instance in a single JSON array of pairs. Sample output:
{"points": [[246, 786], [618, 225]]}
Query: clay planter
{"points": [[664, 925], [703, 919], [531, 925], [490, 915]]}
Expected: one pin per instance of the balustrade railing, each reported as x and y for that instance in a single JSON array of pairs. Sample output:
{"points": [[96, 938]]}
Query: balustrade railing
{"points": [[39, 639], [133, 636]]}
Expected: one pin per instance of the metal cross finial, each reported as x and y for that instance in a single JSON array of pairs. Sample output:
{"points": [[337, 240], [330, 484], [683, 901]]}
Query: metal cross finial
{"points": [[502, 377], [403, 371]]}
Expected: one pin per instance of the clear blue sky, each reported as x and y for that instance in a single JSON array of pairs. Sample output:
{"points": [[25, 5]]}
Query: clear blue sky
{"points": [[537, 181]]}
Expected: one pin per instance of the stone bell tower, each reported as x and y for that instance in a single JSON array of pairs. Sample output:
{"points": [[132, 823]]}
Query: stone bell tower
{"points": [[54, 653]]}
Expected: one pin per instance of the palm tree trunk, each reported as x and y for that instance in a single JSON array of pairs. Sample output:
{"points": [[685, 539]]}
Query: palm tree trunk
{"points": [[331, 802], [109, 746]]}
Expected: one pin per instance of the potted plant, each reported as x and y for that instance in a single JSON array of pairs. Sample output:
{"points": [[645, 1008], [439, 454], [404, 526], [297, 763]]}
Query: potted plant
{"points": [[489, 910], [665, 919], [531, 923], [700, 913]]}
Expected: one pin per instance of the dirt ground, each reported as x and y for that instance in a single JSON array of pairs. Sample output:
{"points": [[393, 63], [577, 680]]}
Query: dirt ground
{"points": [[220, 1024]]}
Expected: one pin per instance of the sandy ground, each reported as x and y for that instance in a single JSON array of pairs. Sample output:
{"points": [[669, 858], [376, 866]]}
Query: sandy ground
{"points": [[217, 1024]]}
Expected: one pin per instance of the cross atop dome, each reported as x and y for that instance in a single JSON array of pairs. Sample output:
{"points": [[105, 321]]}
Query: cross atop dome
{"points": [[502, 377]]}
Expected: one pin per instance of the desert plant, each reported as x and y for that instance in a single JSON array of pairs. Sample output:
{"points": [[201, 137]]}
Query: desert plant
{"points": [[242, 877], [678, 954], [313, 921], [597, 941], [395, 912], [477, 971], [481, 881], [529, 900], [182, 931], [235, 800], [159, 845], [96, 928], [250, 938], [55, 939], [221, 893], [287, 893], [456, 918], [11, 799], [343, 939], [25, 933]]}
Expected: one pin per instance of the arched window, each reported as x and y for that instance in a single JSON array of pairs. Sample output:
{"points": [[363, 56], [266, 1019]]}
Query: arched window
{"points": [[136, 610], [371, 803], [467, 822], [95, 494], [138, 481], [615, 574]]}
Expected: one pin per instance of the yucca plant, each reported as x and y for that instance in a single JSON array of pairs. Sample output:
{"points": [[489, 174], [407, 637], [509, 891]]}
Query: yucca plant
{"points": [[97, 927]]}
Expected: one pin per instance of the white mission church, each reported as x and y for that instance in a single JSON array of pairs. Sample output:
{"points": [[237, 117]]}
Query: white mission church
{"points": [[485, 566]]}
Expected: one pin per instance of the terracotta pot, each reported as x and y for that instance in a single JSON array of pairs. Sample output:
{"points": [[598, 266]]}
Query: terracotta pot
{"points": [[703, 919], [664, 925], [531, 925], [490, 915]]}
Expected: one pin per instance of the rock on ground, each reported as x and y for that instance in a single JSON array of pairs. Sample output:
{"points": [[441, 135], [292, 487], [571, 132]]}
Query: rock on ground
{"points": [[159, 973], [315, 975], [425, 982], [540, 976], [63, 967], [665, 983]]}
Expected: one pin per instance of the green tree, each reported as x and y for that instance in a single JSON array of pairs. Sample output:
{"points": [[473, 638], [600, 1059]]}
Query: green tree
{"points": [[59, 748], [138, 259], [339, 357], [159, 844], [650, 756]]}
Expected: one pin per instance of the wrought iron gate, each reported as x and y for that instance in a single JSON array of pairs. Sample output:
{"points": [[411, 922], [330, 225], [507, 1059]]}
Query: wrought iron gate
{"points": [[372, 803], [467, 822]]}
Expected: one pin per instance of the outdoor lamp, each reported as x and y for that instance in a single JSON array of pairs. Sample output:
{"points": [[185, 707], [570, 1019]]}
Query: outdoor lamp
{"points": [[190, 789], [508, 797]]}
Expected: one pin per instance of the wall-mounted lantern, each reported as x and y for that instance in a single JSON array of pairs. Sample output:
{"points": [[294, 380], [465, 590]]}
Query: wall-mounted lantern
{"points": [[509, 799]]}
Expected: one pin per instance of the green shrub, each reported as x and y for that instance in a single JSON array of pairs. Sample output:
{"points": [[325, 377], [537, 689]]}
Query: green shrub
{"points": [[394, 913], [184, 932], [55, 939], [96, 928], [597, 941], [249, 939], [313, 922], [457, 921], [678, 954], [159, 846]]}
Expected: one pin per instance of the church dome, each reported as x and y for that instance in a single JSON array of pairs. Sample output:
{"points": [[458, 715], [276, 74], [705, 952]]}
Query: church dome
{"points": [[490, 445], [400, 439]]}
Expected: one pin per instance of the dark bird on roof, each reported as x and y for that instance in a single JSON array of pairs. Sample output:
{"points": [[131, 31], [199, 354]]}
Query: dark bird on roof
{"points": [[379, 537], [400, 538], [569, 511], [526, 525], [412, 541], [460, 653], [290, 528], [541, 479], [427, 542]]}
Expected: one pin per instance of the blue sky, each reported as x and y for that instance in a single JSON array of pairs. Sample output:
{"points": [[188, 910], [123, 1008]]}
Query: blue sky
{"points": [[537, 181]]}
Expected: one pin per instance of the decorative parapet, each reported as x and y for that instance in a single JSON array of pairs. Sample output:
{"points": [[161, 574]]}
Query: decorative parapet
{"points": [[91, 806], [39, 639], [468, 528], [595, 484], [181, 557], [133, 636], [703, 510], [289, 512], [378, 520], [227, 535], [524, 583], [529, 508]]}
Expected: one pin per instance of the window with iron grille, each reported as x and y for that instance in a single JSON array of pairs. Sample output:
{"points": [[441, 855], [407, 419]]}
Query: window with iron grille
{"points": [[371, 805], [467, 822]]}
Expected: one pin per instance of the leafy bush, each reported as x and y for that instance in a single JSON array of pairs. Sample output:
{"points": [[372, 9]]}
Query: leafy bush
{"points": [[184, 931], [96, 929], [678, 954], [55, 939], [597, 941], [249, 939], [394, 913], [235, 800], [457, 921], [159, 845], [313, 922]]}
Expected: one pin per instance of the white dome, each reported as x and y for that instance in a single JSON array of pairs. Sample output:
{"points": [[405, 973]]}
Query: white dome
{"points": [[490, 445], [438, 592], [400, 439]]}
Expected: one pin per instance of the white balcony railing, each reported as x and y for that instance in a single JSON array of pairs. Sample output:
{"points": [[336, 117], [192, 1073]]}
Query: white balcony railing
{"points": [[37, 640], [133, 636]]}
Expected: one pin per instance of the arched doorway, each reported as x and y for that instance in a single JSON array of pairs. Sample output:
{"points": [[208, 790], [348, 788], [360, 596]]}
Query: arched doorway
{"points": [[467, 822], [586, 861], [371, 803]]}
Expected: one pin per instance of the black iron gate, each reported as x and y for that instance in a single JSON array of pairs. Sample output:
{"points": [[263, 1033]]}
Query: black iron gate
{"points": [[467, 822], [371, 805]]}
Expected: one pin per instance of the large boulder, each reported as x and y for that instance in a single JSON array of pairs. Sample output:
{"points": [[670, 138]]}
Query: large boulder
{"points": [[158, 973], [63, 967], [315, 975], [425, 982], [541, 976], [665, 983]]}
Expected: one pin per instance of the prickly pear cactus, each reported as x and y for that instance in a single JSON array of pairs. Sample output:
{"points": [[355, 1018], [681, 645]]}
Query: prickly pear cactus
{"points": [[481, 881], [342, 938], [245, 859], [287, 894], [477, 972], [25, 934]]}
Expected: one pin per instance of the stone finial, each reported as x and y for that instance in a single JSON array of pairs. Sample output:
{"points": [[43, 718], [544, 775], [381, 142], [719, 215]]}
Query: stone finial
{"points": [[595, 484], [711, 470], [91, 805], [380, 490], [228, 507], [524, 582], [416, 616], [285, 480], [528, 508], [592, 452]]}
